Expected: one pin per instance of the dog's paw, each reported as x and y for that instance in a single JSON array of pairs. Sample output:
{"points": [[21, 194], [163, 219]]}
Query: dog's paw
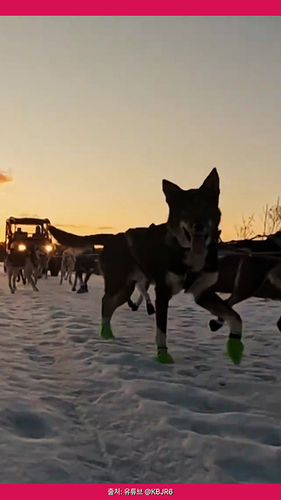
{"points": [[235, 350], [105, 331], [215, 325], [164, 357], [150, 308], [132, 305]]}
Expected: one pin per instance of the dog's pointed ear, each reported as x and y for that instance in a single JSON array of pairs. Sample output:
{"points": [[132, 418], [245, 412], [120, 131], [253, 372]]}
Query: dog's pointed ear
{"points": [[170, 190], [212, 183]]}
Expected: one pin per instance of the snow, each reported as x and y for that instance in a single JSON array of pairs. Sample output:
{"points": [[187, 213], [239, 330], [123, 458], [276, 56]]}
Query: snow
{"points": [[78, 409]]}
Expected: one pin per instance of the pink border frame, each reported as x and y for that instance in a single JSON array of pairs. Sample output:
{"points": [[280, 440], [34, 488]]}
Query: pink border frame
{"points": [[100, 491], [145, 8]]}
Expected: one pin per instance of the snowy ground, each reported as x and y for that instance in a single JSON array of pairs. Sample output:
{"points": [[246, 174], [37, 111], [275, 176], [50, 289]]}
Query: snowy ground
{"points": [[76, 409]]}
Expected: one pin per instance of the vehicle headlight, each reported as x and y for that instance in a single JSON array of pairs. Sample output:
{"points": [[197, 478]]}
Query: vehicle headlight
{"points": [[48, 248], [21, 247]]}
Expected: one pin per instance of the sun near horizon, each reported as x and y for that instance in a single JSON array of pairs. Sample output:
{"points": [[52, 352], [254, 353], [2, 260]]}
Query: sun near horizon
{"points": [[96, 111]]}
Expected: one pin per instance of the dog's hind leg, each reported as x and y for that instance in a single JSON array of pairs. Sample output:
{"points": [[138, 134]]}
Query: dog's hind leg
{"points": [[23, 276], [109, 304], [80, 277], [20, 276], [84, 286], [135, 305], [143, 287], [210, 301]]}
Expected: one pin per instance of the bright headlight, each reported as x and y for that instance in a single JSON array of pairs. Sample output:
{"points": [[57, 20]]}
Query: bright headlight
{"points": [[48, 248], [21, 247]]}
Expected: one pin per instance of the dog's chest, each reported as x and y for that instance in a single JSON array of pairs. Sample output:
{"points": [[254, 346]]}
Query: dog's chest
{"points": [[17, 259], [174, 282], [177, 272], [178, 282]]}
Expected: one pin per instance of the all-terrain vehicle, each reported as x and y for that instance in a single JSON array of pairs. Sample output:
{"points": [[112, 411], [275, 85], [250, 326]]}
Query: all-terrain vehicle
{"points": [[37, 232]]}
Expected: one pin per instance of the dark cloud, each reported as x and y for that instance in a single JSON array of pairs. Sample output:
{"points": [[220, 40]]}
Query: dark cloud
{"points": [[5, 178]]}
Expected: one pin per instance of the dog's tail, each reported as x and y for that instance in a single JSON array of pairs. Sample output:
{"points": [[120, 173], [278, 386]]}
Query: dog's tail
{"points": [[73, 240]]}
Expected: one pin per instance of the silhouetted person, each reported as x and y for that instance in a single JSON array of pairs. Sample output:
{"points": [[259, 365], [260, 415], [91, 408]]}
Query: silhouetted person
{"points": [[18, 234], [37, 233]]}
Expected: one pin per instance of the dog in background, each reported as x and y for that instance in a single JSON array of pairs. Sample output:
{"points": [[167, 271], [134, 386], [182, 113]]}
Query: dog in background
{"points": [[26, 261], [86, 263], [250, 274], [67, 266]]}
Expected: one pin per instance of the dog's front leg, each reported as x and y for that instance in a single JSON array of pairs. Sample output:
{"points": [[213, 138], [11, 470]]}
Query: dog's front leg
{"points": [[61, 276], [35, 274], [33, 281], [162, 304], [209, 300]]}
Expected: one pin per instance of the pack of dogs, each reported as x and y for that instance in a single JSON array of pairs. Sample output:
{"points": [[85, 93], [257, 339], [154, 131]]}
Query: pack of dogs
{"points": [[183, 254]]}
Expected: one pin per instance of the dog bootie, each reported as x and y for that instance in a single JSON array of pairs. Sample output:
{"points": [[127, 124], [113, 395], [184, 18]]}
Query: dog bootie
{"points": [[105, 331], [235, 350], [164, 357]]}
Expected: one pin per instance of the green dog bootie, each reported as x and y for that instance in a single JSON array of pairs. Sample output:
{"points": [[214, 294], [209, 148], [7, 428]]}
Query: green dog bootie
{"points": [[105, 331], [235, 350], [164, 357]]}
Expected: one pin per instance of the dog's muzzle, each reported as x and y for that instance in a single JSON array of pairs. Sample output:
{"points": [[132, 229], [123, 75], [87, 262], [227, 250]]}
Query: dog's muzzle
{"points": [[198, 242], [196, 236]]}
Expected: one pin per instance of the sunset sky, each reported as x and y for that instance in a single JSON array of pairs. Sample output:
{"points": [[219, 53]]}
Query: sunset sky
{"points": [[96, 111]]}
